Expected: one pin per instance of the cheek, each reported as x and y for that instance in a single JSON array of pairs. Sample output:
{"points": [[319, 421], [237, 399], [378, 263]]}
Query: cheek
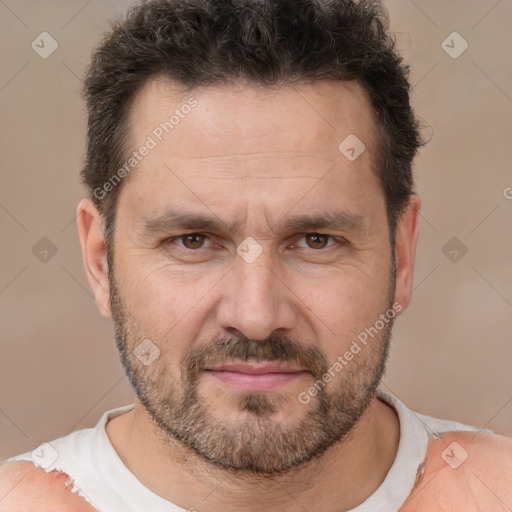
{"points": [[351, 302], [163, 304]]}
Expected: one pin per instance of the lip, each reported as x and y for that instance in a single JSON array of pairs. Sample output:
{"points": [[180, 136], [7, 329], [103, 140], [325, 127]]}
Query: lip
{"points": [[256, 368], [256, 377]]}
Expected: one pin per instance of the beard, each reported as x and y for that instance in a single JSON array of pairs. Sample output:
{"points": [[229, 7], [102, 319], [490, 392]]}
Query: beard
{"points": [[252, 440]]}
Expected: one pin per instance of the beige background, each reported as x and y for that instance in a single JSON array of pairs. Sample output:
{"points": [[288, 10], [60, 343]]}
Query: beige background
{"points": [[452, 355]]}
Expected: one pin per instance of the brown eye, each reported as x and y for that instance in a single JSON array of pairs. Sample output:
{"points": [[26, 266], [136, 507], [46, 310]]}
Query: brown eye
{"points": [[193, 240], [316, 240]]}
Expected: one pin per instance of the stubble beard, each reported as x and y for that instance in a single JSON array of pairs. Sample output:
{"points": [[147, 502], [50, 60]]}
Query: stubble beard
{"points": [[256, 442]]}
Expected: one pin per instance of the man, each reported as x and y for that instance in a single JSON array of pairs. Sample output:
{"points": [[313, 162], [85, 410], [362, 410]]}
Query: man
{"points": [[251, 230]]}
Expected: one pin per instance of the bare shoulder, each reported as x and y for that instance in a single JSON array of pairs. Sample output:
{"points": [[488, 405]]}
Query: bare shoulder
{"points": [[468, 470], [477, 448], [25, 487]]}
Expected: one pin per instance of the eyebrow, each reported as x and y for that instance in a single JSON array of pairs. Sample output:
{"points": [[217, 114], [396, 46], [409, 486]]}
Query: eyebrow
{"points": [[175, 219]]}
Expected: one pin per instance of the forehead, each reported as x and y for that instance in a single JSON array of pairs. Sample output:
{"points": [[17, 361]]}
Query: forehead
{"points": [[240, 140], [313, 115]]}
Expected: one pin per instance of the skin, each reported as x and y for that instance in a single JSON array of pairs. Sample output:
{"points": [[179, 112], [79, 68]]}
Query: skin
{"points": [[252, 156], [25, 488]]}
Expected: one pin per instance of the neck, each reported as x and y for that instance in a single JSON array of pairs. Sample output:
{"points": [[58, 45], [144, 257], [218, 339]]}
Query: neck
{"points": [[338, 480]]}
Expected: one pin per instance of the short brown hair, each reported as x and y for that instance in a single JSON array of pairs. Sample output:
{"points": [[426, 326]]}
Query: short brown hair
{"points": [[267, 42]]}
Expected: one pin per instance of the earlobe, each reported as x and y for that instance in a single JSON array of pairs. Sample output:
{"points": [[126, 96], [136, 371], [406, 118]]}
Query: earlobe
{"points": [[94, 253], [405, 251]]}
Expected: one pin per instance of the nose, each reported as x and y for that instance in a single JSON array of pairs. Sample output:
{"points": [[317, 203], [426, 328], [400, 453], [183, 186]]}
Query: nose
{"points": [[257, 300]]}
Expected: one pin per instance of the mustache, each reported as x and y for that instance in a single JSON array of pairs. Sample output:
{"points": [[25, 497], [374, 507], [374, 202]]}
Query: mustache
{"points": [[275, 348]]}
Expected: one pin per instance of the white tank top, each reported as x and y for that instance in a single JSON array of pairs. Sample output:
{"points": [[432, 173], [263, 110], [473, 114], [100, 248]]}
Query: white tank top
{"points": [[99, 475]]}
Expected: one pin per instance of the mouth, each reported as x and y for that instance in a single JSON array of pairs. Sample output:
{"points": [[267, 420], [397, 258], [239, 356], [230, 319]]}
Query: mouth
{"points": [[256, 377]]}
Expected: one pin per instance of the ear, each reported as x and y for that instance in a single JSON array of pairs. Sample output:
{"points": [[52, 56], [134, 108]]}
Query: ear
{"points": [[94, 253], [405, 251]]}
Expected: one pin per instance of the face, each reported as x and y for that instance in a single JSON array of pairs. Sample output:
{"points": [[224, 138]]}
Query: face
{"points": [[251, 254]]}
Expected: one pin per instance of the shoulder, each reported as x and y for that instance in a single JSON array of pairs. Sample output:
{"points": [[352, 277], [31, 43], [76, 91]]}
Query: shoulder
{"points": [[471, 470], [477, 450], [25, 487]]}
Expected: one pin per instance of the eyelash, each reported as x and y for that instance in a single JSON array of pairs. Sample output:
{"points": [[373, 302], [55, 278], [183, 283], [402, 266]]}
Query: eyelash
{"points": [[339, 241]]}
